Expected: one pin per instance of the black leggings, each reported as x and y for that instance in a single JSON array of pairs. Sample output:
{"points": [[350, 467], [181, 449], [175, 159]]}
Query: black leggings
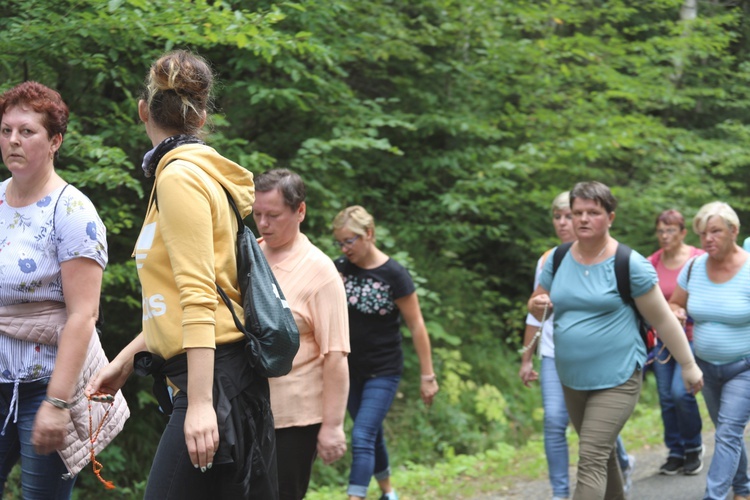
{"points": [[173, 475], [244, 466], [296, 449]]}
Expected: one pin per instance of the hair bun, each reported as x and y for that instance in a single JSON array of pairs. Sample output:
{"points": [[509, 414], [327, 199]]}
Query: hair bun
{"points": [[178, 91]]}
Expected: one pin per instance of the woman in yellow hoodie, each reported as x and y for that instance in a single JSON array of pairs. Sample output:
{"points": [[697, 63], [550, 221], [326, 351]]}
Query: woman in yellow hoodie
{"points": [[219, 409]]}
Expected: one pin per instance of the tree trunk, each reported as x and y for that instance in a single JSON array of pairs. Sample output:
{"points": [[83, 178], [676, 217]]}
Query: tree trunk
{"points": [[688, 14]]}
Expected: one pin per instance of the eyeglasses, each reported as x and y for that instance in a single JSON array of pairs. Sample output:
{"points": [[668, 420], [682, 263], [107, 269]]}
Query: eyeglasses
{"points": [[670, 231], [347, 242]]}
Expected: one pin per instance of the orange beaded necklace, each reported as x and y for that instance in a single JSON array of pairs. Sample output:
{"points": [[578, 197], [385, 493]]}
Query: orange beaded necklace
{"points": [[95, 464]]}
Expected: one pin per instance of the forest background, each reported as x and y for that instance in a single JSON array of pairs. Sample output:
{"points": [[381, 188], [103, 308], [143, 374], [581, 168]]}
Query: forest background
{"points": [[454, 122]]}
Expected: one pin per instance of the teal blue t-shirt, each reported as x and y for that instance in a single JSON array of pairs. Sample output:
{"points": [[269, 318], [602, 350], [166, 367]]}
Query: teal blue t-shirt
{"points": [[597, 344], [721, 312]]}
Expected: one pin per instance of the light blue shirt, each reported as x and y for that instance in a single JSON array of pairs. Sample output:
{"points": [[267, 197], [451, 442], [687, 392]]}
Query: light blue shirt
{"points": [[746, 244], [597, 344], [721, 312]]}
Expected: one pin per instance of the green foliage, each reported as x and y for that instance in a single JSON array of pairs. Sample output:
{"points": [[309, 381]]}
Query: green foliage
{"points": [[454, 123]]}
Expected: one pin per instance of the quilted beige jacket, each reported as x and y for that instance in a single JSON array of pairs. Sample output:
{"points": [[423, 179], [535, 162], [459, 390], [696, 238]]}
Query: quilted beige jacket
{"points": [[42, 322]]}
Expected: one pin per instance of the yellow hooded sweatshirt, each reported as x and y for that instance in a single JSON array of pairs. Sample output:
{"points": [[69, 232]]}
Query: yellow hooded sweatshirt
{"points": [[186, 246]]}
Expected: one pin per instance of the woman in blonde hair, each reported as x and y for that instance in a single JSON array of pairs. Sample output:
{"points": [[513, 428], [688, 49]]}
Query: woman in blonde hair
{"points": [[219, 442], [379, 291], [714, 290]]}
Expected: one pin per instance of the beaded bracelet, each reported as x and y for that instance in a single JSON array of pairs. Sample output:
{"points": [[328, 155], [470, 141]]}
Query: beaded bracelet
{"points": [[428, 378]]}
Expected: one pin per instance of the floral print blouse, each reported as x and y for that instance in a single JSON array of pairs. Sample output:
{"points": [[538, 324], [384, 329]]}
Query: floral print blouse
{"points": [[33, 243]]}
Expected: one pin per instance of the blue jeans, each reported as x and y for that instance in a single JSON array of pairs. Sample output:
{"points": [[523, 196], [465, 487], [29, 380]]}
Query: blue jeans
{"points": [[623, 459], [41, 475], [369, 402], [726, 391], [679, 409], [555, 426]]}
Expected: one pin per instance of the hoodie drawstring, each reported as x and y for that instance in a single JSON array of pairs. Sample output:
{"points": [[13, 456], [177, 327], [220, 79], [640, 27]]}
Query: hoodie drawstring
{"points": [[13, 408]]}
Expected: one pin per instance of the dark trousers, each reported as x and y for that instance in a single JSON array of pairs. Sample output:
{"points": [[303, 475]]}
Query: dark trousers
{"points": [[173, 475], [296, 449], [244, 466]]}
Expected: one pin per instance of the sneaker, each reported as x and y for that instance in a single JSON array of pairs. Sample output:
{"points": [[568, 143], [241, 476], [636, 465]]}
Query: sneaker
{"points": [[627, 474], [693, 462], [672, 466], [391, 495]]}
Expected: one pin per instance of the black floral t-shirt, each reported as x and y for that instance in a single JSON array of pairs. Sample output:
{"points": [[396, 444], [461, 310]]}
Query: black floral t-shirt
{"points": [[374, 317]]}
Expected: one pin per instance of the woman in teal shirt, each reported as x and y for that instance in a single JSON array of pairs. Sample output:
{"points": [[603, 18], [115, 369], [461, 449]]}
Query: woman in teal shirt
{"points": [[599, 354]]}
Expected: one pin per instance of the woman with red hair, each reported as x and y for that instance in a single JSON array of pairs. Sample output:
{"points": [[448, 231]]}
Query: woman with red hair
{"points": [[679, 409], [54, 251]]}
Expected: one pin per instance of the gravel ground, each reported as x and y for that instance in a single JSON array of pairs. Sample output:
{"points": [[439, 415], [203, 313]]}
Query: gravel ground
{"points": [[647, 483]]}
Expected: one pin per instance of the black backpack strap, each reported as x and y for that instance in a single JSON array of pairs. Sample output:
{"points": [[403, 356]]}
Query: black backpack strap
{"points": [[690, 270], [557, 258], [622, 273]]}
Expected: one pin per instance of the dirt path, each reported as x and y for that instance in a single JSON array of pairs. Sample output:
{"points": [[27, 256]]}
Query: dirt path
{"points": [[647, 483]]}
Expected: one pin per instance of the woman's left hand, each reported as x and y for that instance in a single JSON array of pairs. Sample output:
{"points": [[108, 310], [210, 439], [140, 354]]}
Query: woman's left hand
{"points": [[201, 434], [692, 377], [428, 389], [331, 443], [48, 433]]}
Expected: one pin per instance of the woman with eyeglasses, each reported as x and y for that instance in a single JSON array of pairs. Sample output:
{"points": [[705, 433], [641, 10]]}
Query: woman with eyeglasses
{"points": [[679, 409], [379, 292]]}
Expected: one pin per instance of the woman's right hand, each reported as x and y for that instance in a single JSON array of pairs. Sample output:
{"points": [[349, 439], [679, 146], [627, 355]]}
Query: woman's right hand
{"points": [[108, 380], [681, 315], [527, 372], [537, 304]]}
